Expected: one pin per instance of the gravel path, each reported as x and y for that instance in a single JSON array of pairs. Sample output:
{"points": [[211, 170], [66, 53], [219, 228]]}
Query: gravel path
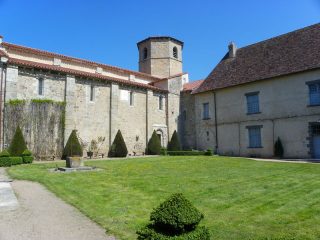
{"points": [[40, 215]]}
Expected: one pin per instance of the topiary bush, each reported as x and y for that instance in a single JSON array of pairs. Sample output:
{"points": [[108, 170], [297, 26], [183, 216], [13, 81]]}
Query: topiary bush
{"points": [[177, 219], [4, 153], [154, 145], [163, 151], [18, 145], [73, 147], [27, 156], [16, 160], [208, 152], [278, 149], [5, 159], [174, 144], [118, 147]]}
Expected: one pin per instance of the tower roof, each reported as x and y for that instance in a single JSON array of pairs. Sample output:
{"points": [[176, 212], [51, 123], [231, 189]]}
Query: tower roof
{"points": [[161, 38]]}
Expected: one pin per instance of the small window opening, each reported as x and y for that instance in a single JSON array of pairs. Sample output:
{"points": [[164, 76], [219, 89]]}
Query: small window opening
{"points": [[131, 99], [161, 102], [91, 93], [145, 53], [40, 86], [175, 52]]}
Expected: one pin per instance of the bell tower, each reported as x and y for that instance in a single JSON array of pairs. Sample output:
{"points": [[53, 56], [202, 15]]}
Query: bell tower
{"points": [[160, 56]]}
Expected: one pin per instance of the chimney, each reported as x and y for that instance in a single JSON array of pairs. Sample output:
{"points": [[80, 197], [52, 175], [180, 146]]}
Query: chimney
{"points": [[232, 50]]}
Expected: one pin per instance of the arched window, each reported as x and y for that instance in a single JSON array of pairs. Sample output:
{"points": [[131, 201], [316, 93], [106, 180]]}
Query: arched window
{"points": [[145, 53], [40, 86], [175, 52]]}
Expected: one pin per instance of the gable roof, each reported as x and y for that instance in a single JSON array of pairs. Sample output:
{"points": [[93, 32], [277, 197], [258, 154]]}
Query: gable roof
{"points": [[192, 85], [14, 47], [293, 52]]}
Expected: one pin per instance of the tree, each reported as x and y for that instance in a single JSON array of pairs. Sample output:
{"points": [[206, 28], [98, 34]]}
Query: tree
{"points": [[278, 149], [154, 145], [177, 219], [18, 145], [118, 147], [73, 147], [174, 144]]}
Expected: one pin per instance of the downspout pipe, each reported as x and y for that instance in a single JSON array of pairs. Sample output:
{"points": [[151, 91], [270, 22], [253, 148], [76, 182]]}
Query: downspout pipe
{"points": [[3, 77], [216, 122]]}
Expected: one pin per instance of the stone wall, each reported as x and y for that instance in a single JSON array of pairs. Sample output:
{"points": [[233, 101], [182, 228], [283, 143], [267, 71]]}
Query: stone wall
{"points": [[42, 124]]}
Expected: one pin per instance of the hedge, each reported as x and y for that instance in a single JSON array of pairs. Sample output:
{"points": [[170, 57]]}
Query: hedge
{"points": [[186, 153], [27, 159], [5, 162], [16, 160]]}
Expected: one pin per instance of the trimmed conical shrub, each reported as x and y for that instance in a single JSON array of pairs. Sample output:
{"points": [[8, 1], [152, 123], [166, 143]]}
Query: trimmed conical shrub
{"points": [[18, 145], [118, 147], [174, 144], [73, 147], [278, 148], [175, 219], [154, 144]]}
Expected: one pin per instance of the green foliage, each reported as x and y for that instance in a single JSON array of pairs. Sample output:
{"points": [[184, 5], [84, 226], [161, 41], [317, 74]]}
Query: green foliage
{"points": [[176, 218], [154, 144], [73, 147], [27, 159], [174, 144], [163, 151], [118, 147], [18, 145], [49, 101], [4, 153], [186, 153], [15, 102], [26, 153], [148, 233], [5, 161], [16, 160], [278, 149], [208, 152]]}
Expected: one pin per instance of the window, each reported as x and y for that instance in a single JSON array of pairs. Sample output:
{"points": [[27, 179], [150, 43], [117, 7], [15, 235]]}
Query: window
{"points": [[206, 111], [145, 53], [314, 93], [40, 86], [175, 52], [253, 103], [91, 93], [160, 102], [131, 100], [254, 136]]}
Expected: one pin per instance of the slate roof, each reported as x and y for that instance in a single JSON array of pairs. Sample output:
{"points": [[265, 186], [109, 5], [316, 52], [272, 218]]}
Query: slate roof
{"points": [[293, 52]]}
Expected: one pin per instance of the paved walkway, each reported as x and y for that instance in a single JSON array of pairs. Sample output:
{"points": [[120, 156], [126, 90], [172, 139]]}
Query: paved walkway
{"points": [[40, 215]]}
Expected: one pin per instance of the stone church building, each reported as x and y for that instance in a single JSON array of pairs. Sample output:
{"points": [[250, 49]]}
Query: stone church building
{"points": [[255, 95]]}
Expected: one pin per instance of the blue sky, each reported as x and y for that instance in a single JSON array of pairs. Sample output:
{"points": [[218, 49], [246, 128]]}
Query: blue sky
{"points": [[107, 31]]}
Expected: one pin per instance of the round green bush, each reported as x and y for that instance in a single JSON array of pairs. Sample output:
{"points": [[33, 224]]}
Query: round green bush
{"points": [[4, 153], [176, 215], [149, 233], [26, 153], [27, 159]]}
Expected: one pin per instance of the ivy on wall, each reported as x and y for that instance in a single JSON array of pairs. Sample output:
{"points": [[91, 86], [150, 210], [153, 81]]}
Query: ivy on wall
{"points": [[42, 122]]}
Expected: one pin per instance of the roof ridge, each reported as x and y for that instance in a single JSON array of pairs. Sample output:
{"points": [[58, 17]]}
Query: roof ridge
{"points": [[85, 61], [280, 36]]}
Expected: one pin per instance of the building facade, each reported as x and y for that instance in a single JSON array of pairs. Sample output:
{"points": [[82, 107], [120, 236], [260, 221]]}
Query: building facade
{"points": [[255, 95], [260, 93]]}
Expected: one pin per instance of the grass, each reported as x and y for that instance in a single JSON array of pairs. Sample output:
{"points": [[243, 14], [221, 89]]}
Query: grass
{"points": [[240, 198]]}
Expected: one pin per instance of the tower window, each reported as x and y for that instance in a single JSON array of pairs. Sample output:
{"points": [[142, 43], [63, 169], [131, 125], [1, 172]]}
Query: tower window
{"points": [[91, 93], [131, 99], [160, 102], [175, 52], [145, 53], [40, 86]]}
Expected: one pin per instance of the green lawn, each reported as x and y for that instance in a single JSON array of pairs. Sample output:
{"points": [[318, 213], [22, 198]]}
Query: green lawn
{"points": [[241, 199]]}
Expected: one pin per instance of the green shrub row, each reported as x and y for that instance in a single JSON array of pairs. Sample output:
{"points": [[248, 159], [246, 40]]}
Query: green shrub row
{"points": [[16, 160], [188, 153], [9, 161]]}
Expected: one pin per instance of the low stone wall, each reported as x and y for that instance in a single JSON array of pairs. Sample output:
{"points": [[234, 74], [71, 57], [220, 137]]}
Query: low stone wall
{"points": [[42, 123]]}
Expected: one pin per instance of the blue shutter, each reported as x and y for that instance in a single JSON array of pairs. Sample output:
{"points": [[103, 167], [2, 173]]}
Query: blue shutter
{"points": [[314, 93], [254, 137], [253, 103]]}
